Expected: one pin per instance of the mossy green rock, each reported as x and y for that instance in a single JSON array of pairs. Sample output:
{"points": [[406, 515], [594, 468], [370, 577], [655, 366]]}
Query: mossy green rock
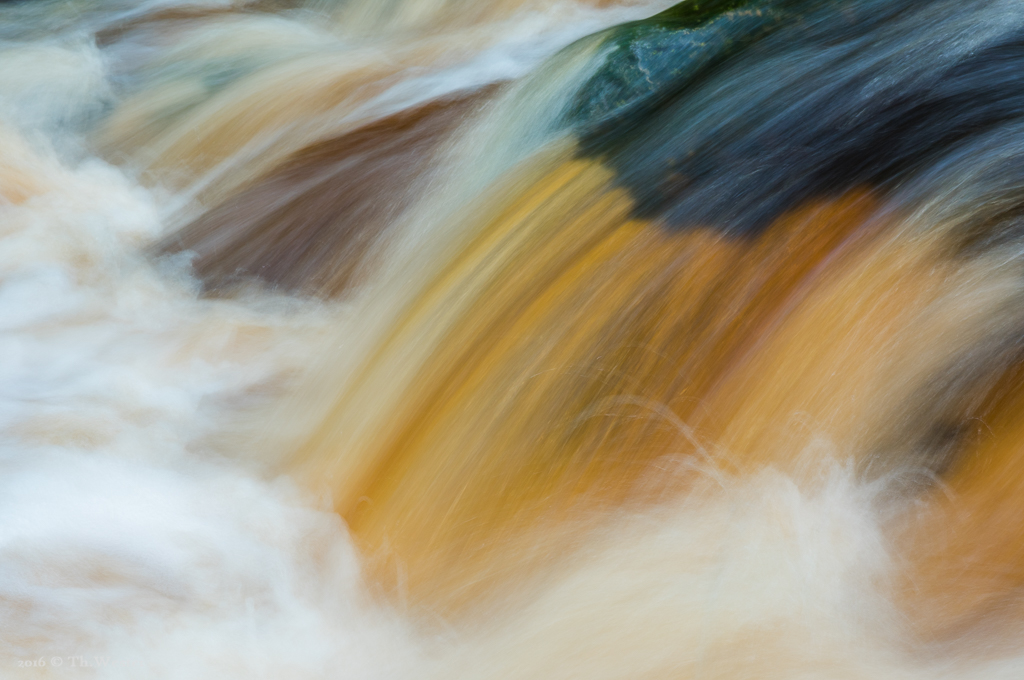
{"points": [[668, 50]]}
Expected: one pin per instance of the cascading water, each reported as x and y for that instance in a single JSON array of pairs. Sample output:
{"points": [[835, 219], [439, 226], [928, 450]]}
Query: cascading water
{"points": [[511, 339]]}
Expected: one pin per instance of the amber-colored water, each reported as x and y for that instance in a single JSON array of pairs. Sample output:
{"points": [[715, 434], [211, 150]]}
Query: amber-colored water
{"points": [[436, 338]]}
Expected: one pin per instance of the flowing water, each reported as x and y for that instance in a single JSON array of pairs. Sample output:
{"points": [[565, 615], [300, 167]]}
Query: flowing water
{"points": [[512, 339]]}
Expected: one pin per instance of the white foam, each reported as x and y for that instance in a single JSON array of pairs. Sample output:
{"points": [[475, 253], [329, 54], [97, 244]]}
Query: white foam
{"points": [[121, 536], [130, 548]]}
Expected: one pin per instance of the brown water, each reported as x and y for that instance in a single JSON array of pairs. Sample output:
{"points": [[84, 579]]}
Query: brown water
{"points": [[376, 339]]}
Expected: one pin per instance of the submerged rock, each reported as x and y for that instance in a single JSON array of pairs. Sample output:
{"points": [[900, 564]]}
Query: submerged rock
{"points": [[664, 53]]}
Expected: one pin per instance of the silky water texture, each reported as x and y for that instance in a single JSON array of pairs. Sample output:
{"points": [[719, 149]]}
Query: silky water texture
{"points": [[512, 339]]}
